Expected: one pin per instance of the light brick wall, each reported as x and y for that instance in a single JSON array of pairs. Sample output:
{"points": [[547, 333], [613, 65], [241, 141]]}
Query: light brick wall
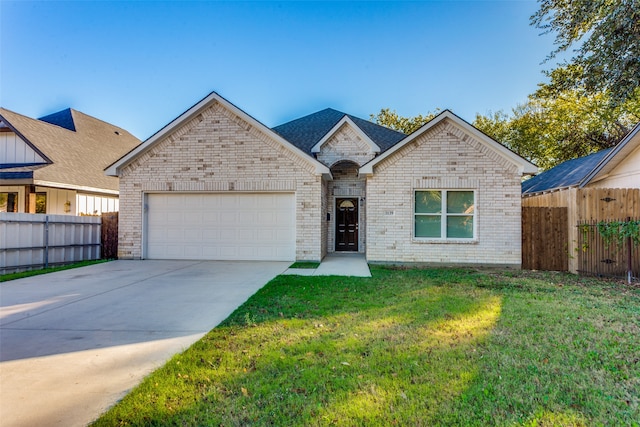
{"points": [[444, 158], [346, 183], [345, 144], [217, 151], [324, 229]]}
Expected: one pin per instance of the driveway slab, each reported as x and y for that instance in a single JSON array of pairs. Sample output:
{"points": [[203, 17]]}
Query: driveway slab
{"points": [[74, 342]]}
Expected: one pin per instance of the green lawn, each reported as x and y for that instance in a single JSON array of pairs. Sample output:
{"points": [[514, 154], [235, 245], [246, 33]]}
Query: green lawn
{"points": [[408, 347], [22, 274]]}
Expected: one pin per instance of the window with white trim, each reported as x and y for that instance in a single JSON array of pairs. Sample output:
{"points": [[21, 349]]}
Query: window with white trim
{"points": [[444, 214]]}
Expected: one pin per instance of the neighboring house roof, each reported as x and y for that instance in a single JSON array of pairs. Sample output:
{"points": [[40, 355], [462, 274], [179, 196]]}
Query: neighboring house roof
{"points": [[523, 165], [308, 131], [77, 146], [583, 170], [62, 118], [213, 97], [628, 144], [566, 174]]}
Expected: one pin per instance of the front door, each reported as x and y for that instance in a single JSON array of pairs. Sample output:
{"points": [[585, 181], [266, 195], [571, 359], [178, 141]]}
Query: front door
{"points": [[347, 225]]}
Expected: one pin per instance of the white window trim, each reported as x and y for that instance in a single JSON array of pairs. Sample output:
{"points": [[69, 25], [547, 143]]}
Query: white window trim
{"points": [[444, 215]]}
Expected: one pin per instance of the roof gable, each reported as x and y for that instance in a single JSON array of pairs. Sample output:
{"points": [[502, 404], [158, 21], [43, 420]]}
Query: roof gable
{"points": [[25, 155], [192, 112], [306, 132], [524, 166], [346, 121], [620, 152]]}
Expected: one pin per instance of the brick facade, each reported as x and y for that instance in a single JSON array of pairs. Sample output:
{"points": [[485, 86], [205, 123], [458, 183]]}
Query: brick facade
{"points": [[444, 158], [345, 144], [218, 151], [346, 183]]}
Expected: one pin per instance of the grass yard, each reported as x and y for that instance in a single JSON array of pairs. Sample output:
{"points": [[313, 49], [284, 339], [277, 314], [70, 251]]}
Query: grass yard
{"points": [[410, 348], [29, 273]]}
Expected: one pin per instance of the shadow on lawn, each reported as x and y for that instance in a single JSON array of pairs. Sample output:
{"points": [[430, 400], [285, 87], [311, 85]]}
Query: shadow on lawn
{"points": [[414, 347], [323, 351]]}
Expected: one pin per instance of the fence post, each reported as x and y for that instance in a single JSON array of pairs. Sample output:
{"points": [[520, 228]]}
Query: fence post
{"points": [[46, 241], [629, 263]]}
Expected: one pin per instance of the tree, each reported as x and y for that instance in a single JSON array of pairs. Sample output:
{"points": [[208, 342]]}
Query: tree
{"points": [[552, 127], [406, 125], [608, 34]]}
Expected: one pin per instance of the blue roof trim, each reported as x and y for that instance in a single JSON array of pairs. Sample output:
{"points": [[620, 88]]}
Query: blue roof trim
{"points": [[63, 118], [566, 174], [20, 165], [307, 131], [16, 175]]}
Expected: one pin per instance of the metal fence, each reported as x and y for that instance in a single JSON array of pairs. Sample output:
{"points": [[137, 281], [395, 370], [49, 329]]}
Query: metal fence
{"points": [[29, 241], [613, 258]]}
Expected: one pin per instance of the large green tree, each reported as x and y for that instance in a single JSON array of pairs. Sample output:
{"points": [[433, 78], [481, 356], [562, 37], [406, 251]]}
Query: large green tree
{"points": [[551, 127], [605, 37]]}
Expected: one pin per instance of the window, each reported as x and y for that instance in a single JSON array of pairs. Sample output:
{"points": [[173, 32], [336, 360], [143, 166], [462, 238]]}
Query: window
{"points": [[41, 203], [8, 202], [444, 214]]}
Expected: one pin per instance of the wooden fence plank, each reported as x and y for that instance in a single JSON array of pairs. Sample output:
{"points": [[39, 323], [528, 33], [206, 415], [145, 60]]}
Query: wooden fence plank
{"points": [[109, 235], [544, 238]]}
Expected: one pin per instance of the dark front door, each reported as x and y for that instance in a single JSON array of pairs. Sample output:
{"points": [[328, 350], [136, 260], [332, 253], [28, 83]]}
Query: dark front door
{"points": [[347, 225]]}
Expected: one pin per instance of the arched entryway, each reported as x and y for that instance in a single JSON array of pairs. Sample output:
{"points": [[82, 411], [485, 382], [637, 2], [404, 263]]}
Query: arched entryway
{"points": [[346, 203]]}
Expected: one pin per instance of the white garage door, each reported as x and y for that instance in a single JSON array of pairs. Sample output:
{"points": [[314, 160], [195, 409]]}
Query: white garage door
{"points": [[257, 226]]}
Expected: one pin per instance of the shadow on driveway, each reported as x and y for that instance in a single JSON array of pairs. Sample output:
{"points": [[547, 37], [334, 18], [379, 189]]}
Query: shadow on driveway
{"points": [[73, 342]]}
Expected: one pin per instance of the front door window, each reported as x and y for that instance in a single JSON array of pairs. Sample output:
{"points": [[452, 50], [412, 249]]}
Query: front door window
{"points": [[347, 225]]}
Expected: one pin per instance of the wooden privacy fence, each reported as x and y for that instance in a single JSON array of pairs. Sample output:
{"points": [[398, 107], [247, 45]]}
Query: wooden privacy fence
{"points": [[110, 235], [544, 239], [597, 257], [29, 241]]}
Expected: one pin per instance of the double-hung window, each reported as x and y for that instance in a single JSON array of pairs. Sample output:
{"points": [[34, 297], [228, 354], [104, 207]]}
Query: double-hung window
{"points": [[445, 214]]}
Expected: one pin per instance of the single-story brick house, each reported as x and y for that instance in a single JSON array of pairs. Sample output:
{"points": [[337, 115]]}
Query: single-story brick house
{"points": [[217, 184]]}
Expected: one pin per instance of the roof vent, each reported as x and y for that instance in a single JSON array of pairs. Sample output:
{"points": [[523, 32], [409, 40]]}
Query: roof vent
{"points": [[117, 133]]}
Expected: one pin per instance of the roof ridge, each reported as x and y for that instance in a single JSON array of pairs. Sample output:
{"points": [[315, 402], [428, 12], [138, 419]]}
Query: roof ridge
{"points": [[74, 111]]}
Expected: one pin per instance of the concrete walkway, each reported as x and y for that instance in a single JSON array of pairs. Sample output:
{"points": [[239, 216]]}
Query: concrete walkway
{"points": [[337, 264], [73, 343]]}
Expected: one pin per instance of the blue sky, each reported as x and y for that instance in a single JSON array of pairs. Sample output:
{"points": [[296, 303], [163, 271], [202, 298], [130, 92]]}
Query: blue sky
{"points": [[141, 64]]}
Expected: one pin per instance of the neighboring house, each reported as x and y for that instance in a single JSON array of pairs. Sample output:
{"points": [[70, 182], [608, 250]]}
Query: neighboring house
{"points": [[601, 186], [55, 164], [217, 184]]}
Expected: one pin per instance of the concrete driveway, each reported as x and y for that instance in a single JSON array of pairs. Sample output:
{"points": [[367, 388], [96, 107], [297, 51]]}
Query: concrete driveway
{"points": [[72, 343]]}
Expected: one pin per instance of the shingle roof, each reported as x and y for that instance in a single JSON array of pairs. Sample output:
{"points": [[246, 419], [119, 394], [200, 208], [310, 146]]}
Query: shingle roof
{"points": [[62, 118], [566, 174], [307, 131], [79, 157]]}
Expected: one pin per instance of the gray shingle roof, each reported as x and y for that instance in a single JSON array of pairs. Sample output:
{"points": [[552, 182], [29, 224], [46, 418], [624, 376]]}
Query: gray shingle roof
{"points": [[566, 174], [307, 131], [78, 157]]}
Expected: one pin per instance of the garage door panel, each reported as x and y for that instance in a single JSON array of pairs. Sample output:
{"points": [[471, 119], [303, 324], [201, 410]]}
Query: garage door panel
{"points": [[221, 226], [228, 218]]}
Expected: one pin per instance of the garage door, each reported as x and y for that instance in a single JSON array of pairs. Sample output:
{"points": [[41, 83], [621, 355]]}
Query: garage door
{"points": [[258, 226]]}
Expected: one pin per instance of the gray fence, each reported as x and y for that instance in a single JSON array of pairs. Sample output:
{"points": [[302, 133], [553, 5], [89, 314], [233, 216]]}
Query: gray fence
{"points": [[29, 241]]}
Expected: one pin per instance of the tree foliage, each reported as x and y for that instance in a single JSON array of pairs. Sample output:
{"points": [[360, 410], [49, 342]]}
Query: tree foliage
{"points": [[406, 125], [551, 130], [554, 125], [606, 34]]}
